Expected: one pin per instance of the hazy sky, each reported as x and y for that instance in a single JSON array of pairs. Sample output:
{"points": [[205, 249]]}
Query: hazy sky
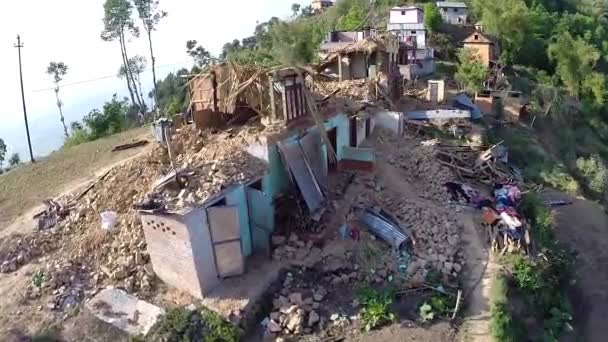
{"points": [[69, 30]]}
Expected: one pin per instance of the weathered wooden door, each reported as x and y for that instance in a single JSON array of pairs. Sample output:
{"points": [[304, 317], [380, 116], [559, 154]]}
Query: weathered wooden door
{"points": [[226, 240], [434, 92]]}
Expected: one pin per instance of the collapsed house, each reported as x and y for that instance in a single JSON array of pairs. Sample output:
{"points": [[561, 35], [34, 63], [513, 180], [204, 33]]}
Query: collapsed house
{"points": [[359, 59], [196, 243]]}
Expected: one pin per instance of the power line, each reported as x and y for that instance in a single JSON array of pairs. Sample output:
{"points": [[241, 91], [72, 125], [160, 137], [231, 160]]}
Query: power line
{"points": [[103, 78]]}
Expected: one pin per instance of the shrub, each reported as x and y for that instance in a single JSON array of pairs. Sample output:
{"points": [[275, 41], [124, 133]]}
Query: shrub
{"points": [[197, 325], [559, 178], [76, 138], [595, 173], [376, 310], [503, 326]]}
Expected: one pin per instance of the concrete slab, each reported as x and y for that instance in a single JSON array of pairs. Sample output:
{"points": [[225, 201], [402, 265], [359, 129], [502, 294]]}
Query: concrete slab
{"points": [[124, 311]]}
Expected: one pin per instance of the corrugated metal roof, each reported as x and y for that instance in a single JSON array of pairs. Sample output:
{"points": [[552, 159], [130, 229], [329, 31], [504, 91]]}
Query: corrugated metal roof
{"points": [[382, 227], [406, 8], [438, 114], [450, 4]]}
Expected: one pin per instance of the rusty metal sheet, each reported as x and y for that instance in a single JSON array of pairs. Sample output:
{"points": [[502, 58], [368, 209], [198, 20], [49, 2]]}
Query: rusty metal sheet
{"points": [[223, 223], [313, 150], [302, 172]]}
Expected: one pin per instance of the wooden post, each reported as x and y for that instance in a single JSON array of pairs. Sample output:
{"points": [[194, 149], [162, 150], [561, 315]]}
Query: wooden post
{"points": [[284, 97], [273, 105], [340, 68]]}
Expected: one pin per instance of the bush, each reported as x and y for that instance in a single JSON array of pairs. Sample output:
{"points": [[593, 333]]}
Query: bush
{"points": [[376, 310], [595, 173], [503, 326], [76, 138], [200, 325]]}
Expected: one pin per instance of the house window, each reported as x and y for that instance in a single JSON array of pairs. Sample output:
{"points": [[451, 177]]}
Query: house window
{"points": [[402, 12], [455, 9], [413, 32], [476, 37]]}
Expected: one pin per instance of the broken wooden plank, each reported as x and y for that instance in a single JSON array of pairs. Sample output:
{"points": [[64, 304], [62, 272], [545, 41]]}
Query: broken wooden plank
{"points": [[130, 145]]}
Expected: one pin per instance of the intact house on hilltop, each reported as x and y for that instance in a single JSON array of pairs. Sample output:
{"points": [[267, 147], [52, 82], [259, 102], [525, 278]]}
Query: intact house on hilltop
{"points": [[415, 59], [484, 46], [455, 13], [320, 5]]}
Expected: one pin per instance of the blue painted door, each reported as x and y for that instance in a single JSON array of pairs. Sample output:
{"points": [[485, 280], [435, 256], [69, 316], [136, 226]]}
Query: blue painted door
{"points": [[260, 218]]}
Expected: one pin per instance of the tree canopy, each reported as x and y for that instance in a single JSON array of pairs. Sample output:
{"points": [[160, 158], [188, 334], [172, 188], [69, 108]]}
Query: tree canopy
{"points": [[2, 151], [432, 18], [471, 72]]}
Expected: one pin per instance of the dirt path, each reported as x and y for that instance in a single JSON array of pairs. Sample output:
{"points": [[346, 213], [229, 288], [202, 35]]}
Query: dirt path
{"points": [[480, 270], [584, 227]]}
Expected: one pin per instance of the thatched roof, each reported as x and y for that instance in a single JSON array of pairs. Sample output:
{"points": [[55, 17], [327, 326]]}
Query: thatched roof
{"points": [[367, 46]]}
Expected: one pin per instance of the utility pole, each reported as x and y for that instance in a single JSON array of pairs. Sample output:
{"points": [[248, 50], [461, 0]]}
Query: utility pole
{"points": [[27, 128]]}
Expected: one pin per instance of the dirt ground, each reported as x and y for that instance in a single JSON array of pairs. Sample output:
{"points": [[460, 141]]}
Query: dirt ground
{"points": [[23, 189], [584, 227]]}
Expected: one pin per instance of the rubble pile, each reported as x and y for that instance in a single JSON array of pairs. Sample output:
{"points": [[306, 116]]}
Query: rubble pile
{"points": [[352, 89], [91, 257], [418, 162], [18, 250], [301, 305]]}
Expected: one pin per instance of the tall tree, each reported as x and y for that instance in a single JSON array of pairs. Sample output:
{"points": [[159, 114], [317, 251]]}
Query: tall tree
{"points": [[150, 16], [201, 56], [57, 70], [137, 65], [2, 152], [118, 24], [295, 8]]}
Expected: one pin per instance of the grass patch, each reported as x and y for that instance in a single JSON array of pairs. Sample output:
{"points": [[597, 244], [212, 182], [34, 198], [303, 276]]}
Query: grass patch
{"points": [[376, 311], [200, 325], [27, 186], [503, 326]]}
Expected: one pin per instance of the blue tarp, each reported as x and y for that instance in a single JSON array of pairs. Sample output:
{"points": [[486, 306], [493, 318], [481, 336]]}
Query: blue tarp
{"points": [[462, 101]]}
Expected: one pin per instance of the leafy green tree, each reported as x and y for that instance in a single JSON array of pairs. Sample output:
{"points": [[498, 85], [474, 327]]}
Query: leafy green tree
{"points": [[150, 15], [76, 126], [432, 18], [117, 25], [14, 159], [202, 57], [294, 43], [353, 20], [295, 8], [470, 72], [575, 60], [230, 48], [172, 92], [2, 151], [57, 70]]}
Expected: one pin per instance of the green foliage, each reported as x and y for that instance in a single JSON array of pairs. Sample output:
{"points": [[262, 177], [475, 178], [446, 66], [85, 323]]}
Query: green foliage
{"points": [[38, 278], [503, 326], [2, 151], [183, 325], [471, 72], [432, 18], [117, 20], [172, 96], [595, 172], [295, 8], [14, 160], [294, 43], [543, 280], [113, 118], [200, 55], [149, 13], [376, 311], [575, 60], [353, 20], [426, 312], [57, 70]]}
